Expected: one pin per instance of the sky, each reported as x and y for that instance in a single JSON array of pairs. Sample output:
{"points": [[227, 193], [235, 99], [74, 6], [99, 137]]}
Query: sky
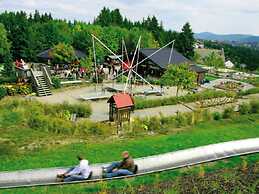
{"points": [[218, 16]]}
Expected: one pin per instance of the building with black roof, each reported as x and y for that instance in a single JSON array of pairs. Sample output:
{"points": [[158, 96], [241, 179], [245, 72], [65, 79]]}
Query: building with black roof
{"points": [[46, 55], [157, 64]]}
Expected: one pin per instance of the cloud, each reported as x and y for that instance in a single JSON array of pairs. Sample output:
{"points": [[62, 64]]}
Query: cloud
{"points": [[221, 16]]}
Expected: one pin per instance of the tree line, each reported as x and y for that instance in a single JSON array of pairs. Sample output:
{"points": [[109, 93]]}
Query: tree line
{"points": [[237, 54], [24, 36]]}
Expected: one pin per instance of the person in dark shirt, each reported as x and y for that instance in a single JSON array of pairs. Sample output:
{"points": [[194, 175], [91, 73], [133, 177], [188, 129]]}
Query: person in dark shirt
{"points": [[123, 168]]}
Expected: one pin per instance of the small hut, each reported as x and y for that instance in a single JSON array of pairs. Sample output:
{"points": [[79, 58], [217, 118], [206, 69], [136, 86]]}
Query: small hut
{"points": [[121, 105]]}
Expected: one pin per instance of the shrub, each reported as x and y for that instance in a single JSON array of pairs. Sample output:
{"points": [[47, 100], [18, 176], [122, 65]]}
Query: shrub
{"points": [[56, 82], [216, 116], [244, 108], [249, 91], [122, 79], [24, 89], [81, 109], [13, 90], [180, 120], [254, 106], [138, 125], [228, 113], [50, 124], [90, 128], [3, 92], [10, 79], [6, 148], [141, 103], [154, 124], [206, 115]]}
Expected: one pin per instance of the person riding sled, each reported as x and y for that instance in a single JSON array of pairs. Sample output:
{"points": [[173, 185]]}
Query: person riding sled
{"points": [[124, 168], [78, 173]]}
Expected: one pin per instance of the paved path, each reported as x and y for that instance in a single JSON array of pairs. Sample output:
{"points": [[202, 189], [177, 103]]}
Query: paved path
{"points": [[101, 108], [100, 114]]}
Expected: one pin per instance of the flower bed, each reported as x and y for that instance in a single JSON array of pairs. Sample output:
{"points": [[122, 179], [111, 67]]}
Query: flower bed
{"points": [[230, 86]]}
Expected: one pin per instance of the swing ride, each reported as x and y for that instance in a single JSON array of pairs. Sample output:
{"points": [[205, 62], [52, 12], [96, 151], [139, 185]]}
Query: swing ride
{"points": [[128, 68]]}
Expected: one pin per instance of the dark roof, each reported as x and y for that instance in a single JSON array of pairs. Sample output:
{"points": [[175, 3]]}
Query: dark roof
{"points": [[122, 100], [46, 54], [198, 69], [162, 57]]}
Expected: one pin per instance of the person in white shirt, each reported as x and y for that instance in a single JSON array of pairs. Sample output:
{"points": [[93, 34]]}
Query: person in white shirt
{"points": [[77, 173]]}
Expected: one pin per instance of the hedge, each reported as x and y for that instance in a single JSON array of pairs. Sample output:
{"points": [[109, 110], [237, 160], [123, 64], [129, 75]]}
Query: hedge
{"points": [[3, 92], [141, 103], [249, 91]]}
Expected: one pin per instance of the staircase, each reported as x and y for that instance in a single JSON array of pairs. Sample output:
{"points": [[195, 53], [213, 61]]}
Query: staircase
{"points": [[43, 88], [41, 84]]}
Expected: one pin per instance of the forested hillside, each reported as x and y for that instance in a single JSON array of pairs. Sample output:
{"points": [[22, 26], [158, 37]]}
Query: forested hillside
{"points": [[24, 36], [238, 54]]}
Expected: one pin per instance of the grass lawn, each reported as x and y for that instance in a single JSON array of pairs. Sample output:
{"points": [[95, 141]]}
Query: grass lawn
{"points": [[202, 134], [101, 149], [211, 77]]}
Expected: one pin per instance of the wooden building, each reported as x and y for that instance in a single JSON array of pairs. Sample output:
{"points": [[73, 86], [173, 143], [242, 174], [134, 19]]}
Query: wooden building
{"points": [[121, 105]]}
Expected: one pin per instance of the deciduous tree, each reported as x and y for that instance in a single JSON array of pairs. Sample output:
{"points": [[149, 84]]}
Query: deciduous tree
{"points": [[179, 76], [214, 60], [63, 53]]}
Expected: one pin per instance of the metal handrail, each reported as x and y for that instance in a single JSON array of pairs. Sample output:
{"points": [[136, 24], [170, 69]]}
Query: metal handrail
{"points": [[34, 78], [46, 74]]}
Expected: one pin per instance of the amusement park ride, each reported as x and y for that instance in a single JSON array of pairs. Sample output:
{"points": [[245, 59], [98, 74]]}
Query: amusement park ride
{"points": [[122, 103], [131, 66]]}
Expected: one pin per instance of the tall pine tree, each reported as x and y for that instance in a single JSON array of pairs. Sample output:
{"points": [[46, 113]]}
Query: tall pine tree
{"points": [[186, 41], [5, 55]]}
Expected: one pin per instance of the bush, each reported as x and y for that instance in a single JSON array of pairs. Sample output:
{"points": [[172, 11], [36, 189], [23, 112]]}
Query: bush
{"points": [[228, 113], [181, 120], [216, 116], [81, 109], [3, 92], [122, 79], [16, 89], [138, 125], [56, 82], [249, 91], [154, 124], [141, 103], [6, 148], [10, 79], [24, 89], [91, 128], [206, 115], [244, 108], [254, 107]]}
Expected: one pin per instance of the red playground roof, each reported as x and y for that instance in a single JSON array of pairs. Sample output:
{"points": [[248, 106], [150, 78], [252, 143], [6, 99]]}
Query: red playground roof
{"points": [[122, 100]]}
